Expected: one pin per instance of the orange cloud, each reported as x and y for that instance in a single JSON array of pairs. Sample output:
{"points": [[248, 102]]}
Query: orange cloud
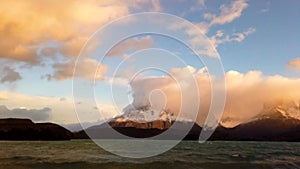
{"points": [[26, 24], [2, 97], [86, 68], [295, 64]]}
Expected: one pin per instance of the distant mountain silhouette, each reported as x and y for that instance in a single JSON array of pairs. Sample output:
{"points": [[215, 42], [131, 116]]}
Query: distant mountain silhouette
{"points": [[25, 129], [276, 122]]}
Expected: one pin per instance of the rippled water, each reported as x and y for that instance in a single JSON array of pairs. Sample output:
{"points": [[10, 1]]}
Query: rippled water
{"points": [[188, 154]]}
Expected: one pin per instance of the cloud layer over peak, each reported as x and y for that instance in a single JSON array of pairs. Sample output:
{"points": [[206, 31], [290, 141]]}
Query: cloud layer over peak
{"points": [[246, 92]]}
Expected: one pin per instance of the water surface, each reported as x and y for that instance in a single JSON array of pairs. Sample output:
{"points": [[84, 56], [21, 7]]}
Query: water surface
{"points": [[80, 154]]}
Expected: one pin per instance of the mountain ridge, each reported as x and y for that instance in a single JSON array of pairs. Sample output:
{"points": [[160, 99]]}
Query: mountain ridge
{"points": [[25, 129], [275, 122]]}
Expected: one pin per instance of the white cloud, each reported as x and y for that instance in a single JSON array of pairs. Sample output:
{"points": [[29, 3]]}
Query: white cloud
{"points": [[228, 13], [196, 37], [264, 10], [118, 81], [220, 38], [202, 26]]}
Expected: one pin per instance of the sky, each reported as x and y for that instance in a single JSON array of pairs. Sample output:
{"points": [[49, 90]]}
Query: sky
{"points": [[257, 43]]}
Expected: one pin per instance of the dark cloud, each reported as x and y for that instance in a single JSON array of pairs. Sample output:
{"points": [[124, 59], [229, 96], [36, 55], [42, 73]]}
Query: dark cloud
{"points": [[9, 75], [33, 114]]}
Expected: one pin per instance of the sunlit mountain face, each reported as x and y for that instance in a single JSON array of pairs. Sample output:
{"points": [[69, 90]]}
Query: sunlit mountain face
{"points": [[282, 108], [277, 109], [146, 114], [145, 118]]}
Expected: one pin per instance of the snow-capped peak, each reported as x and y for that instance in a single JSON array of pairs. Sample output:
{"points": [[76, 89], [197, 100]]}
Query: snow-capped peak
{"points": [[146, 114]]}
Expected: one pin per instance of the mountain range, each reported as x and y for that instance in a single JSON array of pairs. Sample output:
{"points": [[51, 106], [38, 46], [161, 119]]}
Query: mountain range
{"points": [[276, 122]]}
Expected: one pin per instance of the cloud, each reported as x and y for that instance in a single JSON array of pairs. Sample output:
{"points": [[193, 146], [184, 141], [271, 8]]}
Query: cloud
{"points": [[241, 36], [62, 99], [73, 46], [199, 5], [3, 97], [25, 26], [295, 64], [201, 2], [9, 75], [246, 95], [156, 6], [86, 68], [246, 92], [195, 38], [61, 111], [264, 10], [228, 13], [220, 38], [131, 44], [33, 114], [174, 87], [204, 28], [118, 81]]}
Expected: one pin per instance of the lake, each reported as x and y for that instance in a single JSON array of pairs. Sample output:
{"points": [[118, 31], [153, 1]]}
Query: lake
{"points": [[186, 155]]}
